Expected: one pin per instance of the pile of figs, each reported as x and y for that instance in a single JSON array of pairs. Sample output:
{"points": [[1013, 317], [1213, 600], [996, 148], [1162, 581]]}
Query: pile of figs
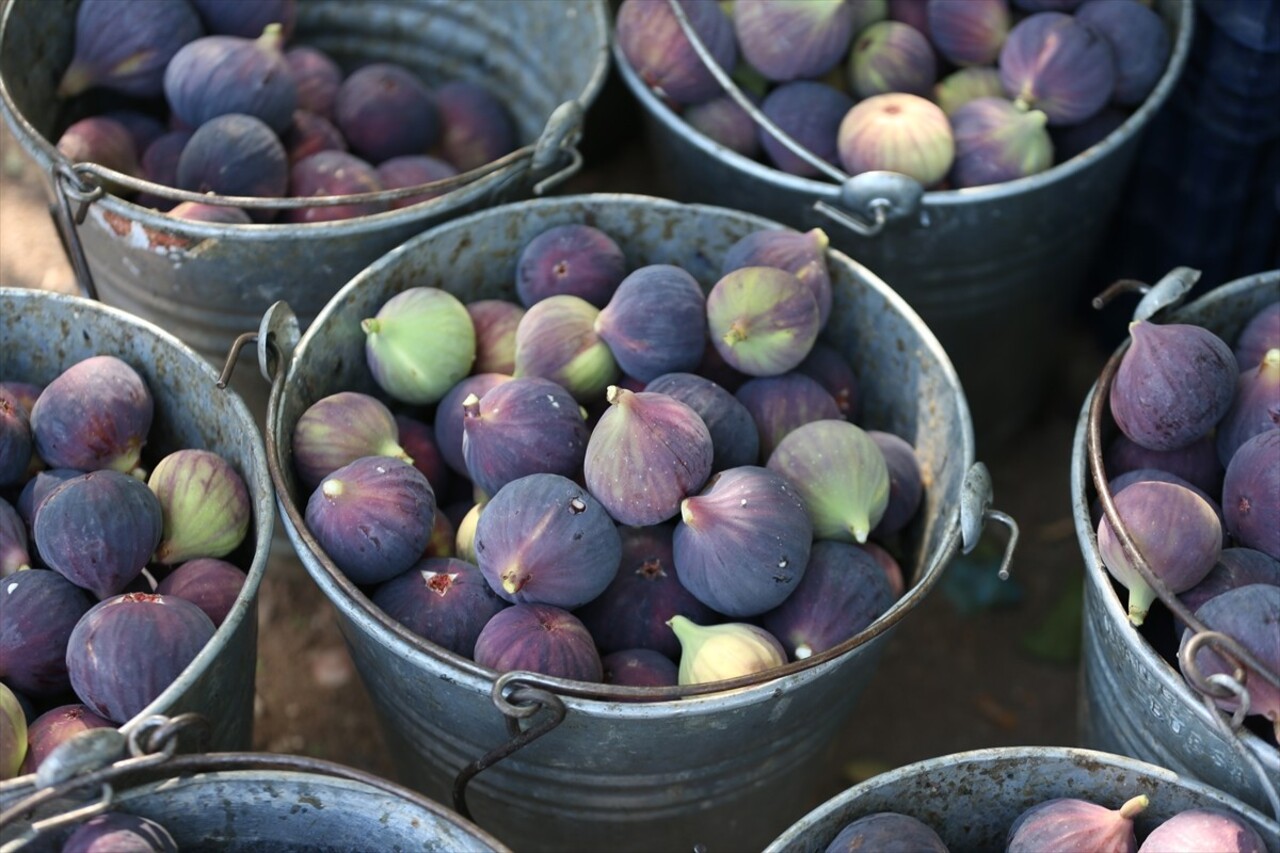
{"points": [[1193, 468], [954, 94], [620, 475], [211, 96], [117, 563]]}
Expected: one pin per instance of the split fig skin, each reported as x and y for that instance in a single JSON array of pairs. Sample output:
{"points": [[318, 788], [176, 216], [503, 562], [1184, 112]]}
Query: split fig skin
{"points": [[888, 832], [1073, 824], [539, 638], [444, 600]]}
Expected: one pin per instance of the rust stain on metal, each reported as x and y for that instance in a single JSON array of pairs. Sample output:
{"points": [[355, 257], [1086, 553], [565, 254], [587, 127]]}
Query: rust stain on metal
{"points": [[119, 224], [157, 239]]}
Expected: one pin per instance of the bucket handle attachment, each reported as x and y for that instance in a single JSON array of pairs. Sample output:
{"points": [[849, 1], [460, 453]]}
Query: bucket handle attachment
{"points": [[73, 193], [561, 136], [976, 511], [276, 337]]}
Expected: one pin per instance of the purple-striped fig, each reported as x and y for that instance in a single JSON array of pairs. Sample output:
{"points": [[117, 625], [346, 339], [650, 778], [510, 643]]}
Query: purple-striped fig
{"points": [[125, 45], [196, 212], [247, 20], [316, 78], [573, 260], [119, 832], [1235, 567], [372, 517], [16, 441], [829, 368], [723, 120], [539, 638], [886, 831], [1118, 483], [1251, 494], [810, 113], [639, 668], [557, 340], [735, 440], [1197, 463], [221, 75], [385, 110], [804, 255], [525, 426], [897, 132], [13, 731], [14, 553], [779, 404], [478, 127], [1067, 823], [418, 439], [890, 56], [793, 41], [650, 38], [647, 453], [235, 155], [892, 570], [714, 367], [719, 652], [413, 170], [444, 600], [1255, 407], [906, 483], [655, 323], [330, 173], [997, 141], [1260, 333], [1072, 139], [339, 429], [39, 609], [1139, 42], [420, 344], [495, 321], [840, 473], [969, 33], [543, 539], [101, 140], [1175, 530], [1204, 829], [762, 320], [38, 488], [965, 84], [211, 584], [1174, 382], [309, 134], [1054, 63], [205, 503], [449, 416], [55, 726]]}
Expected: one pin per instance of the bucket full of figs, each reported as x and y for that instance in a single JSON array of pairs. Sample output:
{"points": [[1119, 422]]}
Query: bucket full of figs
{"points": [[969, 153], [136, 515], [207, 158], [1029, 799], [618, 501], [1176, 498]]}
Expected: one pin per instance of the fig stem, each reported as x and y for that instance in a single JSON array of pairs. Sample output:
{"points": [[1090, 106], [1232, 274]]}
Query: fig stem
{"points": [[1135, 806], [332, 488], [471, 406], [735, 335], [1140, 598], [612, 393], [371, 326], [74, 81], [395, 451]]}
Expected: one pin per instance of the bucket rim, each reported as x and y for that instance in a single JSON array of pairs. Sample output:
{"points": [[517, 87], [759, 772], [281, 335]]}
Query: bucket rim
{"points": [[356, 606], [258, 480]]}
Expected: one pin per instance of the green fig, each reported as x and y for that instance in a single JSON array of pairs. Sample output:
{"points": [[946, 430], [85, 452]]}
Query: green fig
{"points": [[763, 320], [720, 652], [556, 339], [13, 724], [420, 344], [205, 506]]}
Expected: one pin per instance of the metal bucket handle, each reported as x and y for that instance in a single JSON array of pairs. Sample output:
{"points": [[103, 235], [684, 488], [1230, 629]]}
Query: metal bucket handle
{"points": [[1167, 293]]}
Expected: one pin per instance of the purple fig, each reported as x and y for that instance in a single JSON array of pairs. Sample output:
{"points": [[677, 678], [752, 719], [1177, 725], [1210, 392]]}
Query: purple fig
{"points": [[996, 141], [205, 503], [38, 488], [495, 321], [719, 652], [1255, 407], [867, 12], [478, 127], [897, 132], [1047, 5], [735, 440], [411, 171], [100, 140], [419, 344], [1260, 333], [309, 134], [765, 537], [969, 33], [646, 454], [1251, 494], [211, 584], [221, 75], [639, 668], [1174, 382], [574, 260], [235, 155], [892, 570], [248, 20], [886, 831], [316, 78], [906, 483], [810, 113], [1054, 63], [543, 539], [445, 601], [1177, 533], [890, 56], [125, 46], [840, 473], [38, 611], [525, 426], [714, 367], [1073, 139], [779, 404], [1197, 463], [828, 366], [557, 340], [449, 417], [1139, 42], [1071, 824], [372, 517], [14, 555], [119, 832], [804, 255], [418, 439], [724, 121], [1138, 475], [55, 726], [763, 320], [339, 429], [655, 323], [99, 530], [159, 165], [1235, 567], [649, 37], [1204, 829], [16, 444], [23, 393], [385, 110], [330, 173], [965, 84], [793, 41], [539, 638], [196, 212]]}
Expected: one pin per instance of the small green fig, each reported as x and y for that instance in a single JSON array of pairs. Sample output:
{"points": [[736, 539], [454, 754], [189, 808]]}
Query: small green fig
{"points": [[420, 344], [720, 652], [965, 84], [205, 505], [13, 725], [464, 540]]}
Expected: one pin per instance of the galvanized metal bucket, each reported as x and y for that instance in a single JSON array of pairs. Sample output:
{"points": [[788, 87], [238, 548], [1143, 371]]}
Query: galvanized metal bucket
{"points": [[972, 798], [994, 271], [208, 282], [573, 765], [41, 334], [1133, 701]]}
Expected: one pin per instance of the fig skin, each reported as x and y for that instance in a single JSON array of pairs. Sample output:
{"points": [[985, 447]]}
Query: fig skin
{"points": [[1052, 62], [478, 127], [639, 668], [809, 112], [449, 417], [419, 344], [720, 652], [101, 140], [1236, 567], [95, 414], [223, 74], [970, 33], [38, 611], [898, 132], [1072, 824], [444, 600], [16, 445], [655, 323], [309, 134], [247, 20], [128, 649], [539, 638], [196, 212], [119, 832], [339, 429], [906, 484], [890, 56], [22, 393], [235, 155], [13, 732], [780, 404], [410, 171], [574, 260], [125, 46], [543, 539], [996, 142], [735, 440], [316, 78], [1260, 333], [372, 517], [892, 570], [495, 321], [211, 584], [557, 340], [55, 726], [1139, 42], [327, 173], [888, 832], [159, 164], [1255, 407], [37, 489], [1122, 481], [965, 84], [1174, 382], [763, 320], [418, 439], [205, 505], [1251, 494], [832, 371], [1204, 829], [724, 121], [385, 110], [804, 255], [793, 41], [14, 552], [1197, 463], [650, 38]]}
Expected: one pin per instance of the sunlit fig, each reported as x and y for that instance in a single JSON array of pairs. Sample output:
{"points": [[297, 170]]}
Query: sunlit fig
{"points": [[650, 38], [339, 429], [655, 323], [965, 84], [1072, 824], [1054, 63], [886, 831], [557, 340], [316, 78], [119, 832], [1261, 333], [449, 417], [996, 141], [719, 652], [804, 255], [95, 414], [734, 438], [574, 260], [763, 320], [1255, 407], [477, 126], [969, 33], [723, 120], [793, 41], [125, 46], [890, 56], [220, 74], [779, 404], [495, 321], [1139, 42], [385, 110], [1204, 829], [205, 503], [420, 344], [411, 170], [539, 638], [56, 726], [212, 585], [639, 668], [897, 132], [446, 601], [906, 483], [1251, 493]]}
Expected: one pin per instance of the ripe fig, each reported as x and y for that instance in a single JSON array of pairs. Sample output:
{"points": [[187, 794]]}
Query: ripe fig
{"points": [[143, 128], [211, 584], [646, 454], [420, 344], [573, 260], [55, 726], [1072, 139], [810, 113], [1204, 829], [495, 321], [385, 110], [99, 530], [23, 393], [1120, 482], [970, 33], [1251, 494], [219, 75], [1177, 533], [996, 141], [724, 121], [763, 320], [412, 170], [449, 417], [639, 668], [779, 404], [196, 212], [328, 173], [13, 731], [339, 429], [309, 134], [38, 611], [655, 323], [832, 371], [478, 127], [840, 473], [543, 539], [159, 164], [1046, 5], [764, 538], [887, 831], [235, 155], [1260, 334], [892, 570], [464, 542], [316, 78], [372, 517], [719, 652], [1235, 567], [101, 140], [16, 445], [804, 255], [897, 132], [1255, 407], [419, 442], [912, 12], [1197, 463], [205, 504], [95, 414], [1067, 823], [1139, 43], [1054, 63], [715, 368], [525, 426], [734, 438], [444, 600], [247, 20], [37, 489], [539, 638], [443, 537], [965, 84], [793, 41], [890, 56], [125, 46], [14, 555], [906, 483], [650, 38], [1174, 382], [119, 832], [557, 340]]}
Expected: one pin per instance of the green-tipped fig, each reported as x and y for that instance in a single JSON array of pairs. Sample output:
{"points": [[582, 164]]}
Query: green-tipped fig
{"points": [[1067, 823], [495, 322], [557, 340], [897, 132], [205, 504], [720, 652], [13, 727], [420, 344], [997, 141], [966, 84], [339, 429], [763, 320], [793, 41], [890, 56], [464, 540], [841, 474], [804, 255]]}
